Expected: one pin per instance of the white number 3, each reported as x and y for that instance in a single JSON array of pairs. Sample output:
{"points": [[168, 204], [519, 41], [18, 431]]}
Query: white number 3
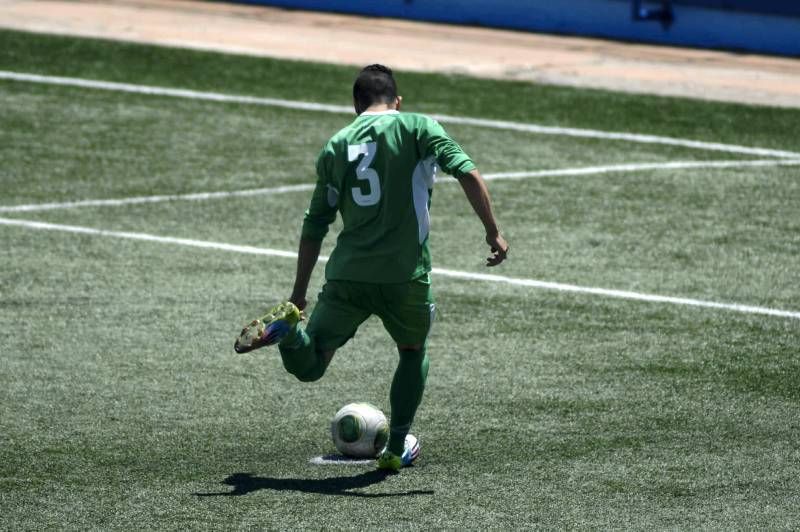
{"points": [[363, 171]]}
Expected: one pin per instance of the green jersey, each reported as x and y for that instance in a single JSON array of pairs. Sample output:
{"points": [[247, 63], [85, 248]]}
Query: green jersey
{"points": [[378, 172]]}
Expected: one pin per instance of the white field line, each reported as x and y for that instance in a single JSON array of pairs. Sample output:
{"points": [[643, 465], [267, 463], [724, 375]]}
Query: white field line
{"points": [[620, 294], [641, 167], [135, 200], [76, 229], [611, 135], [341, 109], [560, 172], [531, 283]]}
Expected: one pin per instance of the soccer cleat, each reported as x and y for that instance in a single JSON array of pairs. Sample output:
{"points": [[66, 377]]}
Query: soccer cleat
{"points": [[268, 329], [391, 462]]}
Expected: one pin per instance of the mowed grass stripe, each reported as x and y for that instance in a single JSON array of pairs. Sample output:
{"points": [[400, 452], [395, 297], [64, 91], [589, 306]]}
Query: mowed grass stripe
{"points": [[340, 109], [489, 278], [283, 189]]}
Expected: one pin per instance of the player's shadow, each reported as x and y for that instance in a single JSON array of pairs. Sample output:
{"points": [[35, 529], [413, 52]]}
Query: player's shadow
{"points": [[245, 483]]}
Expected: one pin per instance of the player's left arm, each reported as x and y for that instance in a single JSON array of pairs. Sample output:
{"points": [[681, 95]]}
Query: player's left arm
{"points": [[307, 256], [320, 214]]}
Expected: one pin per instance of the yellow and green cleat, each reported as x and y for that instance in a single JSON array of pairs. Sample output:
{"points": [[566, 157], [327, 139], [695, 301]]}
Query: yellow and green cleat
{"points": [[268, 329]]}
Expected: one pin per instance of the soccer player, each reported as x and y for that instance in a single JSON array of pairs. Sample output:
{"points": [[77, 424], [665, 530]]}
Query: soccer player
{"points": [[378, 172]]}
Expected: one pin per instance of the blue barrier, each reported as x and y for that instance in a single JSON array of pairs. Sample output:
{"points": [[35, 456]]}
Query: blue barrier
{"points": [[789, 8], [766, 26]]}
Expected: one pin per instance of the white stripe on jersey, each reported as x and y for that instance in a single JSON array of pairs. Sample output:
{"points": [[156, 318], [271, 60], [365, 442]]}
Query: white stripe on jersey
{"points": [[421, 183]]}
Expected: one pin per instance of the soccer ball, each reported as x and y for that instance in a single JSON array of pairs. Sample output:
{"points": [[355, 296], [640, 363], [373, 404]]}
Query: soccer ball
{"points": [[359, 430]]}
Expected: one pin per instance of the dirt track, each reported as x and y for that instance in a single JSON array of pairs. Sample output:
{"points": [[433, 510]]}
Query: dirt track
{"points": [[419, 46]]}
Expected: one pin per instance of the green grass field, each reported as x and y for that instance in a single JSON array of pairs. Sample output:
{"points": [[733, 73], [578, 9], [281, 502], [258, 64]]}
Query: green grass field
{"points": [[123, 406]]}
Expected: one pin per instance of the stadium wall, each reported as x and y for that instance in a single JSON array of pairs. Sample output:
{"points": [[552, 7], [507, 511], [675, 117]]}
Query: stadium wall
{"points": [[764, 26]]}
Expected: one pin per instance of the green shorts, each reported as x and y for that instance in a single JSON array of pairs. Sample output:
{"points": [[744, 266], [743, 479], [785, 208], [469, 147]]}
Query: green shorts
{"points": [[406, 310]]}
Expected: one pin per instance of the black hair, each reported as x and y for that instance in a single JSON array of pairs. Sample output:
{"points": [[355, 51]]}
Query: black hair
{"points": [[374, 84]]}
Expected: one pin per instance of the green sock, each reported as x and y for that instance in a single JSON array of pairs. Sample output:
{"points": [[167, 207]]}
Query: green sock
{"points": [[300, 357], [406, 394]]}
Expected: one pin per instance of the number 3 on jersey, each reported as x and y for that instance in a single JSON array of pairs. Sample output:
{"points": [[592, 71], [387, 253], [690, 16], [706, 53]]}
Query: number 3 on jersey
{"points": [[363, 171]]}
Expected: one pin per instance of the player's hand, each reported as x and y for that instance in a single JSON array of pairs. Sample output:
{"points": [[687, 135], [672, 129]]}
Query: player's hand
{"points": [[499, 248]]}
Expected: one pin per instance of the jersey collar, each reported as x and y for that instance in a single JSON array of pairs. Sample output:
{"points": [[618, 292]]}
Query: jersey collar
{"points": [[377, 113]]}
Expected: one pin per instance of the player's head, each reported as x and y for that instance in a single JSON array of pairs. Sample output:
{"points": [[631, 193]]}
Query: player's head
{"points": [[374, 85]]}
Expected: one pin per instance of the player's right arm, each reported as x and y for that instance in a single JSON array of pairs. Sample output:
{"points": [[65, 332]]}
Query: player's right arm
{"points": [[320, 214], [478, 195], [433, 141]]}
